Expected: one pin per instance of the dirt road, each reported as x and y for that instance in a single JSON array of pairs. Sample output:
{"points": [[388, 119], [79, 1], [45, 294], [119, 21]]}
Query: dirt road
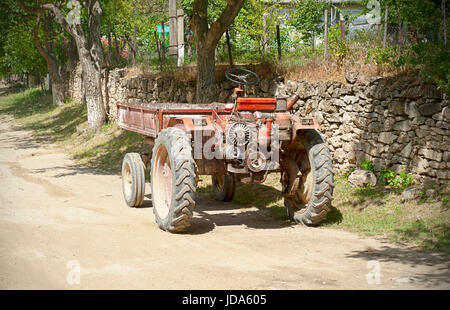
{"points": [[65, 227]]}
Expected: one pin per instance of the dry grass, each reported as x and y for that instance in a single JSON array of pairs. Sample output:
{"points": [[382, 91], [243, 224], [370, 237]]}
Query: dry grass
{"points": [[188, 72], [316, 69], [328, 70]]}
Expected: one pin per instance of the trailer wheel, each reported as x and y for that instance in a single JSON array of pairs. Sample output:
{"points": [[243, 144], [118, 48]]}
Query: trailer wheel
{"points": [[310, 201], [173, 180], [133, 179], [223, 186]]}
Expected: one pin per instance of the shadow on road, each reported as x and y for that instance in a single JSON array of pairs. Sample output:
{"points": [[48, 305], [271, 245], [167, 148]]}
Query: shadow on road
{"points": [[413, 257], [209, 213]]}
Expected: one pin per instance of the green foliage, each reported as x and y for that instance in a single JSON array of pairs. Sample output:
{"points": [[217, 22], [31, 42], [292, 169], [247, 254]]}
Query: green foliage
{"points": [[434, 63], [367, 165], [423, 15], [382, 56], [305, 17], [249, 25], [400, 181], [123, 16], [107, 126], [406, 179], [18, 53], [347, 174], [387, 174], [338, 48], [431, 59]]}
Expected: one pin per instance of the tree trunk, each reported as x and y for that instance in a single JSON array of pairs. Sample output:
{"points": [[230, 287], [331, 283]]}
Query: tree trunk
{"points": [[59, 85], [206, 76], [230, 55], [206, 39], [93, 94], [342, 26], [58, 91], [189, 39]]}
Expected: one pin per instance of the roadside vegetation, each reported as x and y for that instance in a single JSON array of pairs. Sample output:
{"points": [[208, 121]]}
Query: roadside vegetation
{"points": [[380, 211]]}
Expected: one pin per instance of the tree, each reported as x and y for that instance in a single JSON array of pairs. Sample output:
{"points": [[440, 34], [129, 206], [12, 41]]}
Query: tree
{"points": [[121, 17], [89, 50], [306, 17], [206, 39], [18, 53], [256, 24], [422, 17], [56, 70]]}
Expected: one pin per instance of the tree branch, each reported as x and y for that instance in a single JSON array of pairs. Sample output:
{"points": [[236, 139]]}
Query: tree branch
{"points": [[48, 7], [48, 58], [9, 10], [224, 21], [212, 35]]}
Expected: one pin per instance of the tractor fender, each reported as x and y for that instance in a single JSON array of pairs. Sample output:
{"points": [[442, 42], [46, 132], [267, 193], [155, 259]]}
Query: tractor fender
{"points": [[300, 124]]}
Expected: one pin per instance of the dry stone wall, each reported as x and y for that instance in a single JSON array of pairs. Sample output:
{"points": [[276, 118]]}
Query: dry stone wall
{"points": [[396, 122]]}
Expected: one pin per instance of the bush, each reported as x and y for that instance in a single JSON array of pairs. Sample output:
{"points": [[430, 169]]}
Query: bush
{"points": [[367, 165], [338, 48], [433, 60], [402, 180]]}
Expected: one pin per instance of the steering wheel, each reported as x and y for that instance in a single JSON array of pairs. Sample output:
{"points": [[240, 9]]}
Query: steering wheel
{"points": [[242, 76]]}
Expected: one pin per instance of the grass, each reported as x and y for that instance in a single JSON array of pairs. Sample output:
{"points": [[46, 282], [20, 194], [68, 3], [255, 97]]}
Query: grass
{"points": [[375, 211], [381, 211]]}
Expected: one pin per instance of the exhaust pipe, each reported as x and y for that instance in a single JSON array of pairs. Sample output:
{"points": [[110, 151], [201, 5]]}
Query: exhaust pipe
{"points": [[291, 101]]}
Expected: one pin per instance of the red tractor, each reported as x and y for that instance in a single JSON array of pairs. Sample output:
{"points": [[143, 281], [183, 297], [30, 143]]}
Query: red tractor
{"points": [[242, 142]]}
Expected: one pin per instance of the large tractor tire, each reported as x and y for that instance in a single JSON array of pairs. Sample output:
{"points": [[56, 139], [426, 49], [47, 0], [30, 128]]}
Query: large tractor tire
{"points": [[310, 198], [223, 185], [173, 180], [133, 179]]}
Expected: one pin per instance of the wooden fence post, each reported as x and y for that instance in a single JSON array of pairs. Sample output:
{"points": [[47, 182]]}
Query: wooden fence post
{"points": [[163, 45], [399, 21], [279, 42], [173, 43], [325, 36], [230, 56], [180, 38], [134, 46], [158, 50], [386, 13]]}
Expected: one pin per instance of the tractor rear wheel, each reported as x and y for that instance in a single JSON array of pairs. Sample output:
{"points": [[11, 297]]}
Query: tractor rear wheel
{"points": [[133, 179], [173, 180], [309, 200], [223, 186]]}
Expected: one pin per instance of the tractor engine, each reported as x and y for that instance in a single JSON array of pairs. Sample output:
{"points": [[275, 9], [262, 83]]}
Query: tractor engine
{"points": [[248, 147]]}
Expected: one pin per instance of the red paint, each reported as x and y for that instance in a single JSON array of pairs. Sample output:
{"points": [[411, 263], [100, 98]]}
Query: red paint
{"points": [[263, 104], [269, 126]]}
